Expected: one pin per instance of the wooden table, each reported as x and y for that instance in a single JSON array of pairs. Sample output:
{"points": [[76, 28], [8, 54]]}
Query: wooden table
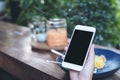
{"points": [[17, 57]]}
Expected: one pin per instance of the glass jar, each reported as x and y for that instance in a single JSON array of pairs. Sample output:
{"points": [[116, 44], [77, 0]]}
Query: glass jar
{"points": [[57, 32], [38, 28]]}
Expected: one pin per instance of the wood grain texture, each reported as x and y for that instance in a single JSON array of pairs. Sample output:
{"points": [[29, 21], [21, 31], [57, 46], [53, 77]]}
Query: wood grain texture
{"points": [[44, 46], [15, 43], [17, 57]]}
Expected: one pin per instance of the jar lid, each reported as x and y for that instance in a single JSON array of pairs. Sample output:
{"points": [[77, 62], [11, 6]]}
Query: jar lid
{"points": [[57, 22]]}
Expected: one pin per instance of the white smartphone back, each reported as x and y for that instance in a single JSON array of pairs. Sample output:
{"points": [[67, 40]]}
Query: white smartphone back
{"points": [[78, 48]]}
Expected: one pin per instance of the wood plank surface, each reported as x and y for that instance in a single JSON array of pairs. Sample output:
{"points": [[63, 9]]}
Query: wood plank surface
{"points": [[15, 43]]}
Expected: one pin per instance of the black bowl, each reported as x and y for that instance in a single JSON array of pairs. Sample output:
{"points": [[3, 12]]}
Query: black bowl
{"points": [[112, 63]]}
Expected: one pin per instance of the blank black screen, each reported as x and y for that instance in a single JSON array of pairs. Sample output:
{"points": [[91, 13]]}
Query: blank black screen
{"points": [[78, 47]]}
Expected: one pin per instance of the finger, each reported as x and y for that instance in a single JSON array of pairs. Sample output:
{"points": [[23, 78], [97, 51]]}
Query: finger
{"points": [[90, 59], [66, 48], [74, 75], [89, 65], [63, 57], [67, 44], [91, 54], [68, 40]]}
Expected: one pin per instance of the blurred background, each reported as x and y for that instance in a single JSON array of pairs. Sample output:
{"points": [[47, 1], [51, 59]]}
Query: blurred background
{"points": [[104, 15]]}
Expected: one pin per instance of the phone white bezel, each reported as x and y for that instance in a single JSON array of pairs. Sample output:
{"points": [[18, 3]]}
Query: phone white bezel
{"points": [[74, 66]]}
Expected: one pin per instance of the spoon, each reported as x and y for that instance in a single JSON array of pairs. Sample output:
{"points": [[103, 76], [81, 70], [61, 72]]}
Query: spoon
{"points": [[55, 62], [58, 53]]}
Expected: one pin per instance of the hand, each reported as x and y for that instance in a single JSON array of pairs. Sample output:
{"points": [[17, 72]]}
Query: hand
{"points": [[87, 72]]}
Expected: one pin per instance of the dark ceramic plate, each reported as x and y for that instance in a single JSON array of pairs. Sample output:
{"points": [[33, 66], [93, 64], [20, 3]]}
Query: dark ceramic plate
{"points": [[112, 64]]}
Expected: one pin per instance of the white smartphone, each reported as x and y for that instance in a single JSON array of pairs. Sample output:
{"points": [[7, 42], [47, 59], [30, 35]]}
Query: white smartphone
{"points": [[78, 48]]}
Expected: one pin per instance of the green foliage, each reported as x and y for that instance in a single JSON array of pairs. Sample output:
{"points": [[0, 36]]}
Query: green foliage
{"points": [[102, 14]]}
